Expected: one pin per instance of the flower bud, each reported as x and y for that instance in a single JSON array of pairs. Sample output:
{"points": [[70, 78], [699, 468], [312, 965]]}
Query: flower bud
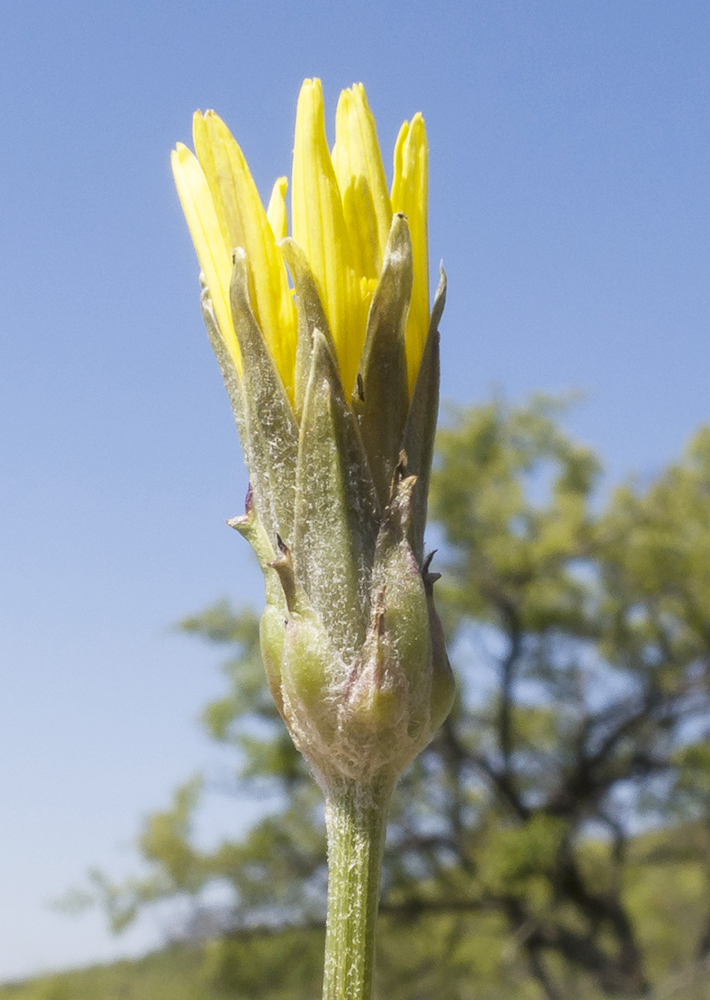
{"points": [[335, 398]]}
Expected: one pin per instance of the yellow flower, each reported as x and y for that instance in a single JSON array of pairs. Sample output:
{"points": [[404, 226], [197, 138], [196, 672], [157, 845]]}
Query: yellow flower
{"points": [[341, 213], [331, 362]]}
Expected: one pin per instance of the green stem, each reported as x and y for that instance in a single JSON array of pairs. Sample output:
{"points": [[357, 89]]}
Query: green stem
{"points": [[356, 820]]}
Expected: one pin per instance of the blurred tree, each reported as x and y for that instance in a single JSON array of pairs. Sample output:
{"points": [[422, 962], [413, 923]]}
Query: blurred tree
{"points": [[580, 629]]}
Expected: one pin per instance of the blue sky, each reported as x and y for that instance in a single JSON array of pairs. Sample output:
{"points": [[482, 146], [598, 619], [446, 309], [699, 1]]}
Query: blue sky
{"points": [[570, 197]]}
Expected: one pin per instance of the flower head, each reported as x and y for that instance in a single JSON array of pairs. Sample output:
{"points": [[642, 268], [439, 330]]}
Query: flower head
{"points": [[330, 358]]}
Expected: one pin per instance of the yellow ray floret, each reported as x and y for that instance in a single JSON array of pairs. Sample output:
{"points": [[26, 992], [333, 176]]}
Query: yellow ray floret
{"points": [[208, 237], [409, 195], [237, 199], [319, 228], [341, 215], [276, 210], [361, 177]]}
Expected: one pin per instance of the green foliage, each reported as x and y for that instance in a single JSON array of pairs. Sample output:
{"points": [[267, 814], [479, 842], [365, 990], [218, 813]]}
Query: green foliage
{"points": [[580, 627], [286, 965], [177, 973], [450, 957]]}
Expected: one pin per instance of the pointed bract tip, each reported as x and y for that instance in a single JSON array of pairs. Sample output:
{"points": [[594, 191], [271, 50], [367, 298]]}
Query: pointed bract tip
{"points": [[238, 522], [427, 562]]}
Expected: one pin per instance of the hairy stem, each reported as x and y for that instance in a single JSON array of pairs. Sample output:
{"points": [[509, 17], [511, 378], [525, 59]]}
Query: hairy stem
{"points": [[356, 820]]}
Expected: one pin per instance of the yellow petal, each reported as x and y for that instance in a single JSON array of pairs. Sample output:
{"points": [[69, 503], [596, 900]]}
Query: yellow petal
{"points": [[276, 211], [213, 252], [237, 201], [409, 195], [361, 177], [319, 228]]}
